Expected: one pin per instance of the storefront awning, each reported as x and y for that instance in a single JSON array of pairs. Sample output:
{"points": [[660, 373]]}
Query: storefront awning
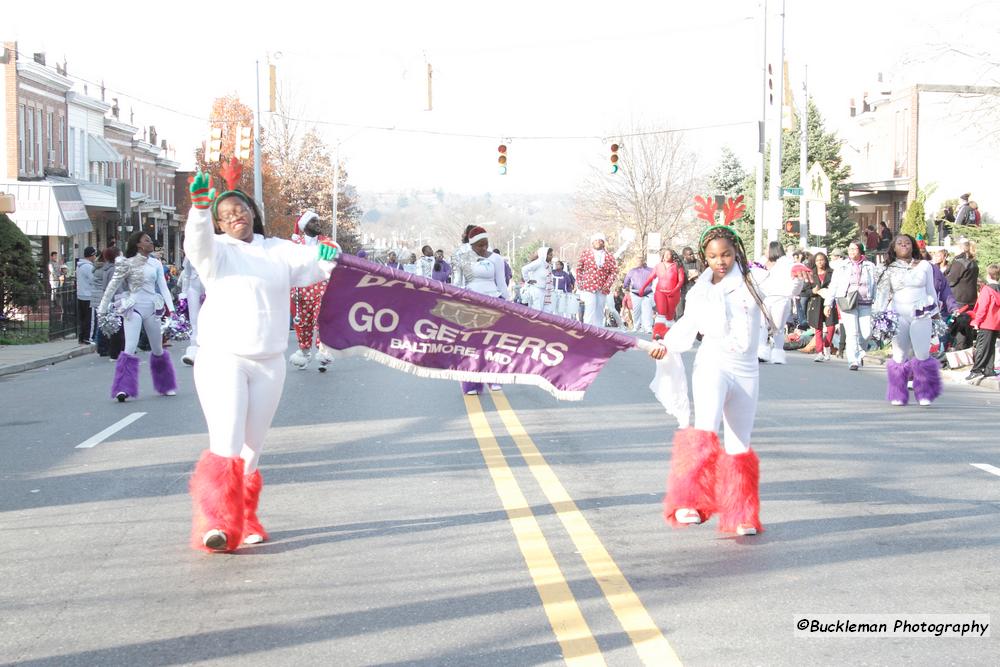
{"points": [[100, 150], [48, 209]]}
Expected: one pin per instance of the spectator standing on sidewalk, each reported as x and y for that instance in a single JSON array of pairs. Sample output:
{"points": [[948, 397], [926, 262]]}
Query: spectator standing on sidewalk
{"points": [[986, 318], [963, 278], [110, 346], [815, 312], [855, 276], [596, 271], [84, 293]]}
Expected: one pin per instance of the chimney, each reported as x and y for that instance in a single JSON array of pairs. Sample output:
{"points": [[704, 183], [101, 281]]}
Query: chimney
{"points": [[163, 145], [854, 109], [102, 90], [39, 58], [114, 107], [152, 134]]}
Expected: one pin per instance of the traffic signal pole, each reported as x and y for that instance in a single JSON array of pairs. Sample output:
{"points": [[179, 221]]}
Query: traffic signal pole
{"points": [[775, 225], [804, 162], [258, 180], [758, 213]]}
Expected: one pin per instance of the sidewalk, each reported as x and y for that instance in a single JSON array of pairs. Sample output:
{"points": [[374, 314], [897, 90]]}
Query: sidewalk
{"points": [[17, 358]]}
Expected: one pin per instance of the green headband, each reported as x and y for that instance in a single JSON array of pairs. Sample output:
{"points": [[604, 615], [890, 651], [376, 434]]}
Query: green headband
{"points": [[701, 241], [239, 194]]}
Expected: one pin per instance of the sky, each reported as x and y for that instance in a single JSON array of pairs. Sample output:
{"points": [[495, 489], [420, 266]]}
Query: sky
{"points": [[556, 81]]}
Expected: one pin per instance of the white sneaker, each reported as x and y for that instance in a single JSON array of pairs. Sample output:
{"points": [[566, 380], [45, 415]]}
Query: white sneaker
{"points": [[214, 539], [472, 392], [826, 355], [324, 360], [121, 396], [745, 529], [896, 403], [299, 359], [170, 393], [495, 387], [820, 357], [189, 355], [687, 516], [253, 538], [925, 402]]}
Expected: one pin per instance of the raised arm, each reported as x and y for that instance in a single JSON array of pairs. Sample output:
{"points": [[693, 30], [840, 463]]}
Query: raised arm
{"points": [[199, 232]]}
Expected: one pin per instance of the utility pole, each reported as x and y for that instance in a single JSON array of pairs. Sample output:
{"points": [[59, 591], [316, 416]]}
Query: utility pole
{"points": [[758, 213], [336, 192], [775, 225], [258, 180], [804, 162]]}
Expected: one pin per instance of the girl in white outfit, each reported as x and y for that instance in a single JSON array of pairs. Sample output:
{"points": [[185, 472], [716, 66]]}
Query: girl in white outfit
{"points": [[537, 276], [145, 300], [242, 337], [475, 268], [194, 292], [906, 286], [779, 288], [725, 306]]}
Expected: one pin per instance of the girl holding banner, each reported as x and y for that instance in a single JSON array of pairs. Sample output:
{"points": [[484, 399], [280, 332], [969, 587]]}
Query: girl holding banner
{"points": [[475, 268], [242, 336], [726, 307]]}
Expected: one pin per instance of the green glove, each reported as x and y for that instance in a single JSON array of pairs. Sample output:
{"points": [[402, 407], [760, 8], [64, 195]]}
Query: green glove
{"points": [[329, 250], [202, 192]]}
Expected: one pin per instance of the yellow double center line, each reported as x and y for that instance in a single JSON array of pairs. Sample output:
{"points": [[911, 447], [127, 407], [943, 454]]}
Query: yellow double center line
{"points": [[567, 621]]}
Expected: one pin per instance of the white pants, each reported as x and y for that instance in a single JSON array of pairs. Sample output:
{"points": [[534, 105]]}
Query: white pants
{"points": [[642, 313], [778, 308], [193, 297], [239, 397], [720, 396], [143, 316], [536, 299], [593, 307], [912, 339], [857, 329]]}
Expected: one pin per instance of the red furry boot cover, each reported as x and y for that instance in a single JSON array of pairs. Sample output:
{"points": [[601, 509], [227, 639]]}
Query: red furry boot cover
{"points": [[737, 483], [252, 484], [691, 481], [217, 494]]}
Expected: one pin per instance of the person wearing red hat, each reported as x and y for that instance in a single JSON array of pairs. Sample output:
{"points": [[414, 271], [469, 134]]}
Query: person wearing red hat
{"points": [[306, 301]]}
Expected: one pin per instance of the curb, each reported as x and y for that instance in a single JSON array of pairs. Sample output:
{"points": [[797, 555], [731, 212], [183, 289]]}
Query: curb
{"points": [[45, 361]]}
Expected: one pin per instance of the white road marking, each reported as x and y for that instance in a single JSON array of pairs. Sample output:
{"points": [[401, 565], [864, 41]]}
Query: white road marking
{"points": [[987, 467], [109, 431]]}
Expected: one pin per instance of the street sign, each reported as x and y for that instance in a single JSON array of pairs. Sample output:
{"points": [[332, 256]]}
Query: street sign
{"points": [[772, 214], [819, 187], [791, 192], [817, 218]]}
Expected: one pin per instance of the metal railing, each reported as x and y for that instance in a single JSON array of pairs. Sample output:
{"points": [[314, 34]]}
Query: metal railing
{"points": [[52, 317]]}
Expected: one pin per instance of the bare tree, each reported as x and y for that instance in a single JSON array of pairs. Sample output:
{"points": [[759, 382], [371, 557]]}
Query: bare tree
{"points": [[651, 191]]}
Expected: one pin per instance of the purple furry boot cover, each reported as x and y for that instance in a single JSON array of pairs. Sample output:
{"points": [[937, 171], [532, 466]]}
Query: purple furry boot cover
{"points": [[162, 368], [126, 376], [898, 375], [926, 378]]}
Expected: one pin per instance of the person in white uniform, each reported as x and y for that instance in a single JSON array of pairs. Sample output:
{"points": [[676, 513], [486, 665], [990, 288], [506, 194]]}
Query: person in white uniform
{"points": [[194, 292], [779, 287], [540, 283], [242, 337], [142, 304], [906, 286], [475, 268], [725, 306]]}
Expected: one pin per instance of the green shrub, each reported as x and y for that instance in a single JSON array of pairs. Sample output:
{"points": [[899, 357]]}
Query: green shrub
{"points": [[20, 282]]}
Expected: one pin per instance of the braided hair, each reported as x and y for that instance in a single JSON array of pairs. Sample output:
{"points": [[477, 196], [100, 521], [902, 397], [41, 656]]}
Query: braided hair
{"points": [[726, 233]]}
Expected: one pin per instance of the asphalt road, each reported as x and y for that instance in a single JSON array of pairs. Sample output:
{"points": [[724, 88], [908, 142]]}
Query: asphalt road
{"points": [[411, 525]]}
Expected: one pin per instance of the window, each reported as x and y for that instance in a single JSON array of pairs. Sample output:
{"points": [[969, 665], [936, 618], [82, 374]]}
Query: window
{"points": [[29, 133], [21, 161], [38, 141], [49, 127], [62, 142]]}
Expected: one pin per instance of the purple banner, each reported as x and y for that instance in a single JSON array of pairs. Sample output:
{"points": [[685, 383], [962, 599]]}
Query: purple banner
{"points": [[432, 329]]}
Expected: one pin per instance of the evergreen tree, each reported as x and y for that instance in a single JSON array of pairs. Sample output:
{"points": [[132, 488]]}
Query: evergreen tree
{"points": [[729, 177], [20, 281], [824, 147]]}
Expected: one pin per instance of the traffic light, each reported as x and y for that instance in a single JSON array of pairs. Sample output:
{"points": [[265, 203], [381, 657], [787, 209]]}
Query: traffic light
{"points": [[244, 141], [502, 158], [770, 84], [792, 227], [213, 149], [614, 158]]}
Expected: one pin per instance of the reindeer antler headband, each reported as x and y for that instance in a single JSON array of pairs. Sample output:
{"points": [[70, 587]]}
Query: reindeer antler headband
{"points": [[706, 209]]}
